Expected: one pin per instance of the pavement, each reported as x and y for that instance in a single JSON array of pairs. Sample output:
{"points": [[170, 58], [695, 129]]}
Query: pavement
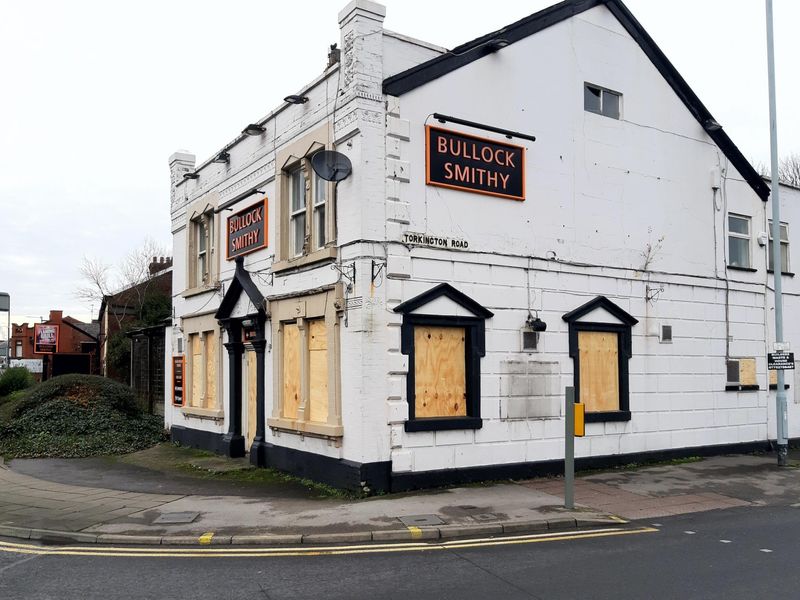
{"points": [[105, 503]]}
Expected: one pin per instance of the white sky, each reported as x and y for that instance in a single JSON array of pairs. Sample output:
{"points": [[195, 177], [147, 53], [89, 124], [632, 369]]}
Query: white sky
{"points": [[95, 96]]}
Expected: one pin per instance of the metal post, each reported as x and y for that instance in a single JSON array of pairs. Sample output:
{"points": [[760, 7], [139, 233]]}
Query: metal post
{"points": [[780, 398], [569, 448]]}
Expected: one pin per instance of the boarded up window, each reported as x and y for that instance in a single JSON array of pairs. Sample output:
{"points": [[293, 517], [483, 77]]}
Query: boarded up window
{"points": [[196, 349], [747, 371], [318, 370], [211, 370], [439, 372], [291, 370], [599, 370]]}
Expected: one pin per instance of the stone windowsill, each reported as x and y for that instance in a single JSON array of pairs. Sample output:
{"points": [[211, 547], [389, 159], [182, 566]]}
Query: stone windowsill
{"points": [[214, 414], [326, 253], [195, 291], [306, 428]]}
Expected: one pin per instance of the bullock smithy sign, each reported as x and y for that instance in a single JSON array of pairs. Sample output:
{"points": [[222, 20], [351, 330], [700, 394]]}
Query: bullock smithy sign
{"points": [[247, 230], [474, 164]]}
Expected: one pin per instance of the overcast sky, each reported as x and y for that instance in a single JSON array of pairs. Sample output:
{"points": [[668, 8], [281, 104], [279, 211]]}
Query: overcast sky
{"points": [[95, 96]]}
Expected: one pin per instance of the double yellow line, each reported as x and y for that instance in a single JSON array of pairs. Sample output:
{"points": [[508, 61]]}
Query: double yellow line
{"points": [[229, 552]]}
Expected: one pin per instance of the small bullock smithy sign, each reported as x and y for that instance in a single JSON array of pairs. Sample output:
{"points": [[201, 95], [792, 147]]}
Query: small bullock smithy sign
{"points": [[247, 230], [474, 164]]}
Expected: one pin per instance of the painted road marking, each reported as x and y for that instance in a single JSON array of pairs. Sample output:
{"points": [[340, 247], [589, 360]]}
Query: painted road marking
{"points": [[724, 541], [416, 532], [220, 552], [206, 538], [689, 532], [765, 550]]}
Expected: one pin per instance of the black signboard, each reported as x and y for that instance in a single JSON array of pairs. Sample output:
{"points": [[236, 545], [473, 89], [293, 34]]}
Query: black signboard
{"points": [[474, 164], [178, 370], [247, 230], [780, 361]]}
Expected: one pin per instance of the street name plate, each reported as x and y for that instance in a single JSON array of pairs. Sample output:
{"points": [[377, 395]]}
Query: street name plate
{"points": [[780, 361]]}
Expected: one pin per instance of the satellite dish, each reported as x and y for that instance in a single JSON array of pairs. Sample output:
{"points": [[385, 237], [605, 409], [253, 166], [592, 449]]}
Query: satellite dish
{"points": [[331, 165]]}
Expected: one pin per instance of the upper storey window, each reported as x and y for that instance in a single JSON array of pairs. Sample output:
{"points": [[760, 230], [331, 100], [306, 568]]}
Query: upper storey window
{"points": [[601, 101]]}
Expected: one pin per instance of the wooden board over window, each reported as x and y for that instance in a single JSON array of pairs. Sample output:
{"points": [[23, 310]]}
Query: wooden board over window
{"points": [[599, 370], [318, 367], [440, 372], [291, 370], [196, 399], [210, 400]]}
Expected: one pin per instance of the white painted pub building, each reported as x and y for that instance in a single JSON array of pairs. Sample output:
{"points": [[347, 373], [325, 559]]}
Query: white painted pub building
{"points": [[549, 205]]}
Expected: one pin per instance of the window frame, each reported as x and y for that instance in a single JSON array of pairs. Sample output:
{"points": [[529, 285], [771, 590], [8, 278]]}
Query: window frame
{"points": [[785, 266], [603, 92], [213, 405], [302, 310], [740, 236], [297, 155], [201, 224], [474, 342]]}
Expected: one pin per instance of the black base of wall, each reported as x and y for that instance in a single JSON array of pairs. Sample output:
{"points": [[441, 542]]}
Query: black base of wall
{"points": [[340, 473], [378, 477], [195, 438], [402, 482]]}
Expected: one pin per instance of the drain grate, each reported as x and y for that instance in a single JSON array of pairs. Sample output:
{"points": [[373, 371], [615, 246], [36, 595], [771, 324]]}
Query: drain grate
{"points": [[176, 518], [420, 520]]}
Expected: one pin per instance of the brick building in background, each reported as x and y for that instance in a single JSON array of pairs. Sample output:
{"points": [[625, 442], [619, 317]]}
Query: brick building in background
{"points": [[76, 350]]}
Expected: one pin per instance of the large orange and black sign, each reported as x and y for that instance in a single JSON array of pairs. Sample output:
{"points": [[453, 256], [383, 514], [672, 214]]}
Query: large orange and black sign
{"points": [[474, 164], [247, 230]]}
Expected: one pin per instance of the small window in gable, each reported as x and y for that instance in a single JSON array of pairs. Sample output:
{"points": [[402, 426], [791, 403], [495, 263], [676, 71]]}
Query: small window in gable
{"points": [[601, 101], [443, 335]]}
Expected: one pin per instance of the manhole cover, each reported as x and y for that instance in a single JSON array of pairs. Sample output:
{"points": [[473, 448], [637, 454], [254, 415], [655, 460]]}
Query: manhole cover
{"points": [[420, 520], [176, 518], [485, 517]]}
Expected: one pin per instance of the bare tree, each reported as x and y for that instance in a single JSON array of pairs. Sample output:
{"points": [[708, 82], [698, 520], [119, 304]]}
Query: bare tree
{"points": [[789, 169], [128, 282]]}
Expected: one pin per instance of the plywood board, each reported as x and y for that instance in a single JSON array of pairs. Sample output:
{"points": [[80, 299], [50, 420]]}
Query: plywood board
{"points": [[251, 374], [291, 370], [318, 370], [747, 371], [440, 372], [196, 350], [773, 377], [211, 369], [599, 370]]}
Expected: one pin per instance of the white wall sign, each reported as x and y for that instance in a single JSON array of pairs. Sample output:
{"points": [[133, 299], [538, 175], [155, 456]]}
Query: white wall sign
{"points": [[435, 241], [34, 365]]}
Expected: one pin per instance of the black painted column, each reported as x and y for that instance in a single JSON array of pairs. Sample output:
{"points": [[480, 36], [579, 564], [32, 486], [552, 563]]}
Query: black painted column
{"points": [[258, 451], [233, 441]]}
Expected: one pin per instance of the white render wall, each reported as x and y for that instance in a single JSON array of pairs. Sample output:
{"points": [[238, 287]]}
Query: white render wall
{"points": [[599, 191]]}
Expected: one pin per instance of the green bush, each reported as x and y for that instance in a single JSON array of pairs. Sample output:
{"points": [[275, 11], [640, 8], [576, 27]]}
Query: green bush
{"points": [[14, 379], [78, 415]]}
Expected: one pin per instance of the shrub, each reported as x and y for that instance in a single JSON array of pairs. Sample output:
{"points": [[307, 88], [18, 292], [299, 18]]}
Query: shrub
{"points": [[78, 415], [15, 379]]}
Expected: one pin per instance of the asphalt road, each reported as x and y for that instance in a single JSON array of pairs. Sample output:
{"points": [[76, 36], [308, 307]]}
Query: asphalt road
{"points": [[736, 553]]}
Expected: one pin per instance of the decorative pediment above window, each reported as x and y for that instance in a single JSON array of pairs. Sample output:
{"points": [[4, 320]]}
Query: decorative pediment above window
{"points": [[241, 283], [600, 310], [444, 299]]}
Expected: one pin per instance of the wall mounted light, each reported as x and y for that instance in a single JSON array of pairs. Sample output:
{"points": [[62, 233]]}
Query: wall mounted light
{"points": [[530, 332], [253, 129], [711, 125], [222, 157], [294, 99], [191, 175]]}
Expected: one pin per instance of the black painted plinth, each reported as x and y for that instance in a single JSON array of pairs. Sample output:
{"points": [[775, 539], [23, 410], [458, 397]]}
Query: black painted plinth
{"points": [[233, 445]]}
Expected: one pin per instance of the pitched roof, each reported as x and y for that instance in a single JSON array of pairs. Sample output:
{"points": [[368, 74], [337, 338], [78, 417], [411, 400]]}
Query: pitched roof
{"points": [[241, 283], [462, 55]]}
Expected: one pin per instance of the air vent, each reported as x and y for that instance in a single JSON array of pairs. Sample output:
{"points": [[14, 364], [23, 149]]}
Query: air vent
{"points": [[666, 334], [530, 340]]}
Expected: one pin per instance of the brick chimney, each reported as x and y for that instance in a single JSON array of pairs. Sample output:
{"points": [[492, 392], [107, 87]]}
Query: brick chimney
{"points": [[159, 263]]}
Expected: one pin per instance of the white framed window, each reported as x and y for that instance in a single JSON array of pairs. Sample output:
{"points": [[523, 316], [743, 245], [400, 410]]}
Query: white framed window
{"points": [[297, 210], [784, 248], [19, 349], [305, 207], [201, 247], [738, 241], [601, 101], [319, 233]]}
